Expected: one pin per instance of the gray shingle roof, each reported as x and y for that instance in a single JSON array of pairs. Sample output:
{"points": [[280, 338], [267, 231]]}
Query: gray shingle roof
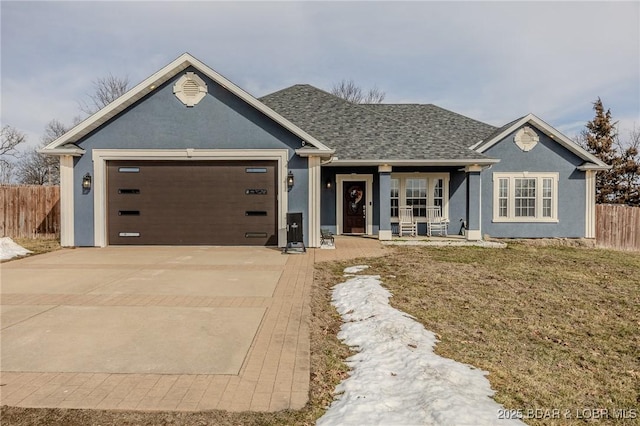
{"points": [[496, 132], [381, 131]]}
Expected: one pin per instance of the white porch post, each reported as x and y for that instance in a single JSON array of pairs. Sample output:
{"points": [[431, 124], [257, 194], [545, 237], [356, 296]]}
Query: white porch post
{"points": [[314, 201], [590, 200], [474, 202], [384, 205], [67, 238]]}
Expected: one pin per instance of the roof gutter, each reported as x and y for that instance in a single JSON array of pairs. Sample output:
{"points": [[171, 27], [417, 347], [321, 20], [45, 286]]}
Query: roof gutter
{"points": [[478, 162]]}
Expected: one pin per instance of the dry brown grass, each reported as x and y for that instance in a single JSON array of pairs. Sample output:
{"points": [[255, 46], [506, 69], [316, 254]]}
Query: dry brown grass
{"points": [[38, 245], [556, 327]]}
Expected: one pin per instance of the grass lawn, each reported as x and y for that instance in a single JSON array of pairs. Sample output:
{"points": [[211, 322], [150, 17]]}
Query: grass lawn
{"points": [[38, 245], [557, 328]]}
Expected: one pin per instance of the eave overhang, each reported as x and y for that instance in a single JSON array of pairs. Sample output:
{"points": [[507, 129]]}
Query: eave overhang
{"points": [[306, 152], [590, 166], [427, 162], [68, 149]]}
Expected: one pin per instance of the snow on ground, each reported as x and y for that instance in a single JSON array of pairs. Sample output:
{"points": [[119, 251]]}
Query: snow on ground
{"points": [[9, 249], [355, 269], [396, 378]]}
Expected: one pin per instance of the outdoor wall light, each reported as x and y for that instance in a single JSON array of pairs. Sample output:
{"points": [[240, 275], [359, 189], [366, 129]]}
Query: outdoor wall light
{"points": [[86, 182], [290, 180], [328, 184]]}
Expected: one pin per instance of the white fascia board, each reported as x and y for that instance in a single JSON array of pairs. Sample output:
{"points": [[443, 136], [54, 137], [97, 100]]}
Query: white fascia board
{"points": [[591, 166], [549, 131], [479, 161], [148, 85], [74, 152]]}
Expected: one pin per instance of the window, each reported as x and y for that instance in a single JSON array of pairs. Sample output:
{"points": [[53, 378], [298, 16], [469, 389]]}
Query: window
{"points": [[503, 197], [419, 190], [547, 197], [395, 197], [416, 196], [525, 197], [438, 193]]}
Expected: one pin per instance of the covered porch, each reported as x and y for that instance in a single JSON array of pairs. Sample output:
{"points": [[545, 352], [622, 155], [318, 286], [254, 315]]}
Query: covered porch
{"points": [[366, 199]]}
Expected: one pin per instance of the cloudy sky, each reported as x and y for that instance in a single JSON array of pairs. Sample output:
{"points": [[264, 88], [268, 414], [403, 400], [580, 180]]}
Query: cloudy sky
{"points": [[493, 61]]}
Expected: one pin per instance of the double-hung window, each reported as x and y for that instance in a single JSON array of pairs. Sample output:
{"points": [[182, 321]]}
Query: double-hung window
{"points": [[419, 190], [525, 197]]}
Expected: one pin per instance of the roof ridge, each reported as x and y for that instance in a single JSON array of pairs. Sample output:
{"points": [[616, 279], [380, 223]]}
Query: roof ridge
{"points": [[311, 86]]}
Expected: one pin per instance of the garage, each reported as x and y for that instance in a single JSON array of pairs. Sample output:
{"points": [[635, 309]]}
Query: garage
{"points": [[192, 202]]}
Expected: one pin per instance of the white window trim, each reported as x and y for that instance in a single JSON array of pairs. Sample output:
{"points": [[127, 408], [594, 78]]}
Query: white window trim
{"points": [[512, 176], [101, 156], [431, 178]]}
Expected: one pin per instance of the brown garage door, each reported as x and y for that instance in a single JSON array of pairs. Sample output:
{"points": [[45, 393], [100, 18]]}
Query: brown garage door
{"points": [[192, 202]]}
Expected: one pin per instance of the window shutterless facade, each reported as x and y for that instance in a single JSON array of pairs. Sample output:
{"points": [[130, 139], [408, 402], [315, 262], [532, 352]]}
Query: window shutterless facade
{"points": [[419, 190], [525, 197]]}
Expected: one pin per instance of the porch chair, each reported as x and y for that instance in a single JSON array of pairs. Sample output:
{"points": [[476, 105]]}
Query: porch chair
{"points": [[406, 221], [435, 221]]}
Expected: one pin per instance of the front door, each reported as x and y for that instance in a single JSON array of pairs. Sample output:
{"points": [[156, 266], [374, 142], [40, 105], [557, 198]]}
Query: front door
{"points": [[354, 208]]}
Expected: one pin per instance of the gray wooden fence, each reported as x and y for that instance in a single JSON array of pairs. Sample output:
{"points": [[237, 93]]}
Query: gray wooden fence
{"points": [[618, 227]]}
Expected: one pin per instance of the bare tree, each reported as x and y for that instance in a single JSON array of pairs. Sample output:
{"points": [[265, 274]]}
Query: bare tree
{"points": [[106, 90], [11, 138], [39, 169], [7, 169], [350, 91]]}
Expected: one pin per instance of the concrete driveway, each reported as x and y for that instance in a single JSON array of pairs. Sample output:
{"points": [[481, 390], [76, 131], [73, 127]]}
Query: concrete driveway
{"points": [[156, 328]]}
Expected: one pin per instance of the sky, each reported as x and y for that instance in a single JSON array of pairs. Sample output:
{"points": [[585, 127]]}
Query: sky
{"points": [[395, 378], [492, 61]]}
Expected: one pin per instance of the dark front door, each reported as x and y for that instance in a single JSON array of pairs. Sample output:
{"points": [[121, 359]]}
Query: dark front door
{"points": [[354, 208]]}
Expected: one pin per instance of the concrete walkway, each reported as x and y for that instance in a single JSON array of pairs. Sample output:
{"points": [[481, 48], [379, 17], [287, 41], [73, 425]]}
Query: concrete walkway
{"points": [[273, 375]]}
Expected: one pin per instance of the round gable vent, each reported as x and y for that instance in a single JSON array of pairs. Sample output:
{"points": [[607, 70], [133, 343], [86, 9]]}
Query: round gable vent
{"points": [[190, 89], [526, 138]]}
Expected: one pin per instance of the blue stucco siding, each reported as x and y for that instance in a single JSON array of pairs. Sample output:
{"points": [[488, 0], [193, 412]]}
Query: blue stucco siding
{"points": [[220, 121], [161, 121], [546, 156]]}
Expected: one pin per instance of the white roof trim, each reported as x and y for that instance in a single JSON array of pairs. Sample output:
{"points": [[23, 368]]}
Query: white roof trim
{"points": [[591, 166], [549, 131], [73, 150], [306, 152], [147, 86]]}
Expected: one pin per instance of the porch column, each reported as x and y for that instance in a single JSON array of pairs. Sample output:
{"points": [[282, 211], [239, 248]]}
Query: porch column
{"points": [[384, 206], [314, 201], [67, 238], [590, 199], [474, 202]]}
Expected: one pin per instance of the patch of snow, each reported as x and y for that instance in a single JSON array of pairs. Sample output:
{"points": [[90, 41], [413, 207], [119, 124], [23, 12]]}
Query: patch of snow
{"points": [[9, 249], [355, 269], [396, 378]]}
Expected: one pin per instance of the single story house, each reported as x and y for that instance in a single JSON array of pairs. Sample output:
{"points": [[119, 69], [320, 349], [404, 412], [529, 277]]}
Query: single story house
{"points": [[187, 157]]}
